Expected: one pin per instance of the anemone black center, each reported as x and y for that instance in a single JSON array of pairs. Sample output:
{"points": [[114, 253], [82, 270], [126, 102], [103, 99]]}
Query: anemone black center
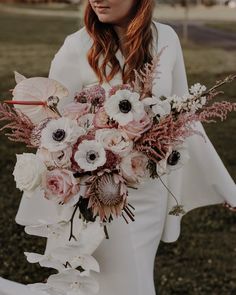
{"points": [[59, 135], [92, 156], [173, 158], [125, 106]]}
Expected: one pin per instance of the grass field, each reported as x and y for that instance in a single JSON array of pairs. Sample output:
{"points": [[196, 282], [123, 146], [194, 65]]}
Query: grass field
{"points": [[202, 262], [223, 26]]}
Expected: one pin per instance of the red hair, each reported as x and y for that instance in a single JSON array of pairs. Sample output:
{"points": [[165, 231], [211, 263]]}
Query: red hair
{"points": [[137, 43]]}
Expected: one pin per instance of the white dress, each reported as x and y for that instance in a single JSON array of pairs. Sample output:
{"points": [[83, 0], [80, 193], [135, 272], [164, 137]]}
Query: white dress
{"points": [[127, 258]]}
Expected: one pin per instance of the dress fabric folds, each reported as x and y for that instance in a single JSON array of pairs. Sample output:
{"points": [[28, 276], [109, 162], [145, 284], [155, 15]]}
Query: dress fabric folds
{"points": [[127, 258]]}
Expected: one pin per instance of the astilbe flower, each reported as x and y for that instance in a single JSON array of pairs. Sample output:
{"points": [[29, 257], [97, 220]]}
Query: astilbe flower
{"points": [[107, 195], [156, 142], [144, 79], [218, 110], [95, 95], [20, 125]]}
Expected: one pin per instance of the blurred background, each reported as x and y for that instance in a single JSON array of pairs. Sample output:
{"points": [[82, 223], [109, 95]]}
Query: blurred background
{"points": [[203, 260]]}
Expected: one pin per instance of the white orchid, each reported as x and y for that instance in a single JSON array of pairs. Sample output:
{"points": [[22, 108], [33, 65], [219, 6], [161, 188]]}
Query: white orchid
{"points": [[60, 134], [69, 282], [48, 230], [124, 106], [64, 257]]}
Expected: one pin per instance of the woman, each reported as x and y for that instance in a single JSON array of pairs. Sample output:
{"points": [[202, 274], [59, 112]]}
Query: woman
{"points": [[120, 36]]}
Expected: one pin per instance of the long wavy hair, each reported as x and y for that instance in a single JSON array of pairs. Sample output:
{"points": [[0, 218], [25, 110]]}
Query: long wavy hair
{"points": [[137, 43]]}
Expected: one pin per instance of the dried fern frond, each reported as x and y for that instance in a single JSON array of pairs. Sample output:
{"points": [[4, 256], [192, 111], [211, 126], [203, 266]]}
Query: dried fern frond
{"points": [[20, 125]]}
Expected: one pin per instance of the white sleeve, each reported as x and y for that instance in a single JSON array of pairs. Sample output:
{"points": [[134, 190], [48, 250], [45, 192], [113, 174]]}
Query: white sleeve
{"points": [[205, 168], [179, 78], [65, 69]]}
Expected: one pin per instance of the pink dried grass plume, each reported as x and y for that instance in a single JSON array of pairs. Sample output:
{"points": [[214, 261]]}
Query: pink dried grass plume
{"points": [[218, 110], [155, 143], [144, 79], [20, 125]]}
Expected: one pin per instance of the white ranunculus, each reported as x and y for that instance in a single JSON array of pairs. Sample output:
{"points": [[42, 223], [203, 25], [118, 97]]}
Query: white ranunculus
{"points": [[90, 155], [28, 172], [114, 140], [60, 133], [60, 159], [124, 106]]}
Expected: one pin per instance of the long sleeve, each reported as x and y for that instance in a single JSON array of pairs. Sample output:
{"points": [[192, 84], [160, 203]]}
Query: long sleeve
{"points": [[204, 180], [179, 77], [65, 69]]}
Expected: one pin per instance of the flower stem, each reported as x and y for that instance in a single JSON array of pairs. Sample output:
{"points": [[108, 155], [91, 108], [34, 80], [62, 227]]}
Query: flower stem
{"points": [[72, 222]]}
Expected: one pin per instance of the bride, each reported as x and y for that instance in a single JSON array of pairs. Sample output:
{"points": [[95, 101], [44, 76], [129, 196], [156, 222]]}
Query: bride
{"points": [[120, 36]]}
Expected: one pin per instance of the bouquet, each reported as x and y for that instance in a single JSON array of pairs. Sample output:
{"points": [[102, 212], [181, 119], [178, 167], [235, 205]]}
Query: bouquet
{"points": [[91, 152]]}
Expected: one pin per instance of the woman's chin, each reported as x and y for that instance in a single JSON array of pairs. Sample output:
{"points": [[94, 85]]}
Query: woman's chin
{"points": [[104, 19]]}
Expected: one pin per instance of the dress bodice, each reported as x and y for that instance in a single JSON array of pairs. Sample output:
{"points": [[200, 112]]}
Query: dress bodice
{"points": [[70, 65]]}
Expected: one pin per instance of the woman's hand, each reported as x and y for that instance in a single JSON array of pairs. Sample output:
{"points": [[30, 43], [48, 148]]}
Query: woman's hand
{"points": [[228, 206]]}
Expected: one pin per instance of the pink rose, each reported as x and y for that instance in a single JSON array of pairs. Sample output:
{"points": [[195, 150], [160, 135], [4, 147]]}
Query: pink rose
{"points": [[60, 185], [134, 167], [101, 119], [75, 110], [135, 129]]}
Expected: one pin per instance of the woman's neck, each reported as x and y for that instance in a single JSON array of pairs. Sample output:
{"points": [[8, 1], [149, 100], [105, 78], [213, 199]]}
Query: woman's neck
{"points": [[121, 32]]}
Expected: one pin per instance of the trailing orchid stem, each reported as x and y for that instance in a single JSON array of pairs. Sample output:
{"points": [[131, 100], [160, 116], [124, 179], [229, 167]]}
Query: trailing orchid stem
{"points": [[72, 222]]}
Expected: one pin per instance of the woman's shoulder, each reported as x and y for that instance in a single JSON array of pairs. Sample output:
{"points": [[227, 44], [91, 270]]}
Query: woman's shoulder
{"points": [[77, 42], [166, 32]]}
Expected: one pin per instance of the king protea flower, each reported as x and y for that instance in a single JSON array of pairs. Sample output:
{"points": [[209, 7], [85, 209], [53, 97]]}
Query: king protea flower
{"points": [[107, 195]]}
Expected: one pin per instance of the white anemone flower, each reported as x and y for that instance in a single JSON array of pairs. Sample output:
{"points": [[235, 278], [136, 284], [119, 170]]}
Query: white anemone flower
{"points": [[124, 106], [59, 134], [160, 107], [178, 158], [90, 155], [37, 89]]}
